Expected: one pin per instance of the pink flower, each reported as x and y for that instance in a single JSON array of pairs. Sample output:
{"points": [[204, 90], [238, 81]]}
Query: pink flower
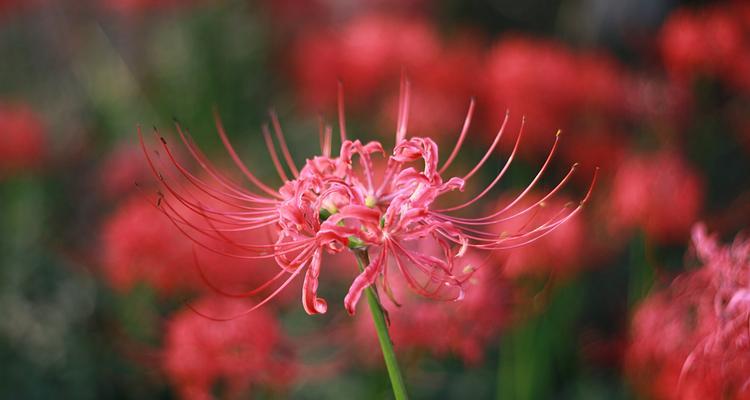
{"points": [[338, 203], [701, 347], [22, 139], [659, 193], [200, 354]]}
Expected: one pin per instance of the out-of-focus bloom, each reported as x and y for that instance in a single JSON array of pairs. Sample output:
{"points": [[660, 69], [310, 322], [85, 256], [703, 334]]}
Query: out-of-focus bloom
{"points": [[22, 139], [335, 203], [463, 329], [558, 253], [370, 52], [659, 193], [691, 341], [141, 246], [554, 88], [200, 355], [710, 41], [121, 170]]}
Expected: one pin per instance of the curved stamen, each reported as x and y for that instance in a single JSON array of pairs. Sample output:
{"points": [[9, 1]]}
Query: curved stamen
{"points": [[282, 144], [237, 161], [491, 149], [461, 137]]}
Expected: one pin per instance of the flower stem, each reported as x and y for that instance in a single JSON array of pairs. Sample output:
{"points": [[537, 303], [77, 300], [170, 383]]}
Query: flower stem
{"points": [[386, 345]]}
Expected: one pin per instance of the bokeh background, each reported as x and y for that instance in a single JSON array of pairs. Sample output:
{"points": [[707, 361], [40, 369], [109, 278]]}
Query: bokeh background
{"points": [[94, 280]]}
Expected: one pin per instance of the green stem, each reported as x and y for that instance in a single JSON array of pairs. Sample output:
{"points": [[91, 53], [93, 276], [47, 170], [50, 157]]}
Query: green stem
{"points": [[386, 345]]}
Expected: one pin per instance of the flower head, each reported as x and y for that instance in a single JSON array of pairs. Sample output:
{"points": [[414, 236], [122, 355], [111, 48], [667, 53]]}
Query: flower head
{"points": [[341, 203]]}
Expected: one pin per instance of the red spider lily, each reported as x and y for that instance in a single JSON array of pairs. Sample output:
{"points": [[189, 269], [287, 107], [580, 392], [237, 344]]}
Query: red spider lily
{"points": [[334, 203], [702, 320], [200, 354]]}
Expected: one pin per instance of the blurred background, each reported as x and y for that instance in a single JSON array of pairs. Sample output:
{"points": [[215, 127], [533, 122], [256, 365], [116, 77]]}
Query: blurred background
{"points": [[94, 280]]}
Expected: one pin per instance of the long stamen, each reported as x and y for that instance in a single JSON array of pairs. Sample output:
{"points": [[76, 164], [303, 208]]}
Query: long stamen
{"points": [[490, 150], [403, 108], [461, 137], [272, 153], [342, 118], [251, 309], [238, 162], [282, 143], [494, 181]]}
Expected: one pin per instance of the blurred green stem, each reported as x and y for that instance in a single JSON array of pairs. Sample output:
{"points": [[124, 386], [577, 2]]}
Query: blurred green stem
{"points": [[386, 345]]}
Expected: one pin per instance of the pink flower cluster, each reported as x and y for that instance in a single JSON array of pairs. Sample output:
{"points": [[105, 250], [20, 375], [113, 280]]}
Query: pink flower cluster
{"points": [[691, 340], [337, 203]]}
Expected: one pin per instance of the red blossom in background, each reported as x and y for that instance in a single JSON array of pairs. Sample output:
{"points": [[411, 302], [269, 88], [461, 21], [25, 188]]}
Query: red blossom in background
{"points": [[23, 143], [556, 88], [121, 169], [141, 246], [709, 41], [691, 340], [371, 51], [660, 193], [200, 355]]}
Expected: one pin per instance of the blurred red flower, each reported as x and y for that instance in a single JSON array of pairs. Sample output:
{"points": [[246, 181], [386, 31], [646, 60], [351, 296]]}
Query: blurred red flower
{"points": [[23, 143], [201, 355], [691, 340], [659, 193], [555, 88], [711, 41], [121, 170], [140, 245], [370, 52]]}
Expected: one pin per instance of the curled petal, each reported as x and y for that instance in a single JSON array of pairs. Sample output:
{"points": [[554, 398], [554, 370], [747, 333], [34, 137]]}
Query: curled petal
{"points": [[363, 280], [310, 301]]}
